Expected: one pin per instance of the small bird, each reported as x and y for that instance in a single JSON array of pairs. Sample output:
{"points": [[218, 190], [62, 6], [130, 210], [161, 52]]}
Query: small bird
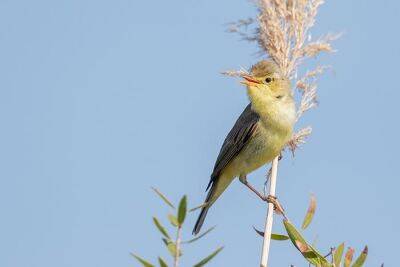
{"points": [[259, 134]]}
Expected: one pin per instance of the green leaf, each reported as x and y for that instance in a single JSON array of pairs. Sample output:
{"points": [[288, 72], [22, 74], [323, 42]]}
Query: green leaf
{"points": [[142, 261], [173, 220], [166, 241], [172, 249], [361, 259], [348, 257], [171, 246], [308, 252], [277, 237], [161, 228], [261, 233], [162, 262], [338, 254], [163, 197], [198, 237], [208, 258], [182, 210], [198, 207], [310, 212]]}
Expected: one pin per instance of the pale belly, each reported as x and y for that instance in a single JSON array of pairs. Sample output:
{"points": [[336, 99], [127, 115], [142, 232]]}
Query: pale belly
{"points": [[262, 149]]}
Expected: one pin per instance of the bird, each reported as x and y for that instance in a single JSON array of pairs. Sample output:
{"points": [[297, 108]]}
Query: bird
{"points": [[259, 134]]}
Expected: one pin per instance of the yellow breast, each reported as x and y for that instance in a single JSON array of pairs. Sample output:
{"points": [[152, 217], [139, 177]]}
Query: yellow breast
{"points": [[263, 147]]}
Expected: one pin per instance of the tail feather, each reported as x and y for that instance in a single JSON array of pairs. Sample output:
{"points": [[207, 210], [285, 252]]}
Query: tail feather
{"points": [[200, 220], [218, 186], [204, 210]]}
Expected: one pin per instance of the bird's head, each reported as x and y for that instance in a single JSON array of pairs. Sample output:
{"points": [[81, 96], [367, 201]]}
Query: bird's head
{"points": [[268, 88], [266, 78]]}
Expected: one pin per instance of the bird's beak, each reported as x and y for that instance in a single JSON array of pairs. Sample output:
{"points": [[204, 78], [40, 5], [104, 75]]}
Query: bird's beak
{"points": [[249, 80]]}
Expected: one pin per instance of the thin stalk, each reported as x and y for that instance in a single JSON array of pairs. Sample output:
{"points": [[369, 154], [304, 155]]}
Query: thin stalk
{"points": [[177, 246], [270, 214]]}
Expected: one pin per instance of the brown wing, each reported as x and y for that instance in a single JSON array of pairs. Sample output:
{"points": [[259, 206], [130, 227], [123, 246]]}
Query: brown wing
{"points": [[235, 141]]}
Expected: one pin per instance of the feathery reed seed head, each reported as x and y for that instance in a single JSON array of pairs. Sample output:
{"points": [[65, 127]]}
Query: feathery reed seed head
{"points": [[283, 34]]}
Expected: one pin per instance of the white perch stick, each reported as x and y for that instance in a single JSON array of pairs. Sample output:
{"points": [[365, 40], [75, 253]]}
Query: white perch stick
{"points": [[270, 214]]}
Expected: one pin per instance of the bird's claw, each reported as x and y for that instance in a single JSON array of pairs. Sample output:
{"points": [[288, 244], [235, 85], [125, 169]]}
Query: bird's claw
{"points": [[270, 198], [274, 201]]}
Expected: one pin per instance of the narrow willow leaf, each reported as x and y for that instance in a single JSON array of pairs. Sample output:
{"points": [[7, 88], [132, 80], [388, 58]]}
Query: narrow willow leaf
{"points": [[348, 257], [182, 210], [198, 207], [166, 241], [277, 237], [163, 197], [162, 262], [303, 248], [308, 252], [208, 258], [361, 259], [310, 212], [261, 233], [142, 261], [171, 247], [173, 220], [338, 254], [198, 237], [160, 228]]}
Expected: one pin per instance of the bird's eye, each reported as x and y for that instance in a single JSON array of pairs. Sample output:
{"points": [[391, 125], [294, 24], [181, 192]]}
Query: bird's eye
{"points": [[279, 96], [268, 80]]}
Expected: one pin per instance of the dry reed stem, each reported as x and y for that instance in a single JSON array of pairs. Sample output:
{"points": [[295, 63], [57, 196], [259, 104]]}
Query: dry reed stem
{"points": [[270, 213]]}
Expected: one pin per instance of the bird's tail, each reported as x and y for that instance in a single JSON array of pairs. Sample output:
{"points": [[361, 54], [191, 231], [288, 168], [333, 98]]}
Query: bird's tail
{"points": [[203, 213], [219, 185], [200, 220]]}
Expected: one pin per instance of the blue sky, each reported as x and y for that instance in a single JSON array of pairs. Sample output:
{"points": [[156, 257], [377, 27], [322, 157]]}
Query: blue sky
{"points": [[99, 100]]}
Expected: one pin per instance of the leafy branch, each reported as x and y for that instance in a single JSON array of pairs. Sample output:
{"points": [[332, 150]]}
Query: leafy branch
{"points": [[174, 246]]}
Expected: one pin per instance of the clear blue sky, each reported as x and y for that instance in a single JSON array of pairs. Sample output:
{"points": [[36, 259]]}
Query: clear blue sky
{"points": [[99, 100]]}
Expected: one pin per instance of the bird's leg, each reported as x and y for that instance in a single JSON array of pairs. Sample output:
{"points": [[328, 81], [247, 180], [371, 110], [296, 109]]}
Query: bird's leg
{"points": [[243, 180], [270, 199]]}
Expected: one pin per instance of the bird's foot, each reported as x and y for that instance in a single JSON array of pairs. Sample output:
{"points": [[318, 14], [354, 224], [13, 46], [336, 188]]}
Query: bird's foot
{"points": [[274, 201], [269, 199]]}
